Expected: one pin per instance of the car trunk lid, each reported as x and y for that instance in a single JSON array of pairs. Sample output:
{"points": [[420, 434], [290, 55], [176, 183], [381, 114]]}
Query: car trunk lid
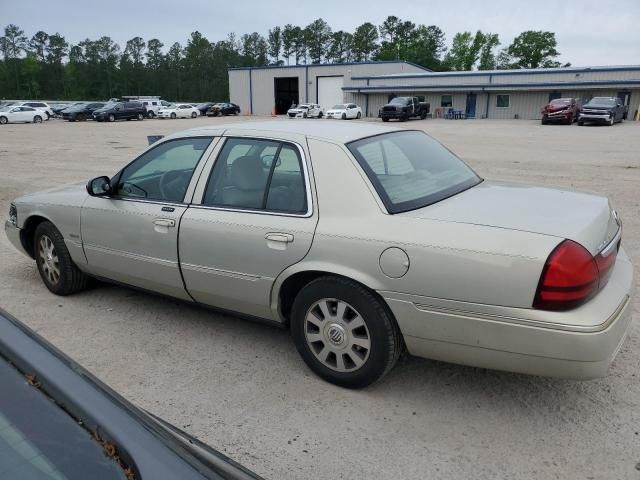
{"points": [[582, 217]]}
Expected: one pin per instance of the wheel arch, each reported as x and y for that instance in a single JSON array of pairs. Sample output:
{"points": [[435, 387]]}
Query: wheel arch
{"points": [[28, 230], [289, 283]]}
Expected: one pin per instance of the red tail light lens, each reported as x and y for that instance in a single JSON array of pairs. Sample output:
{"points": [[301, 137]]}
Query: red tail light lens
{"points": [[569, 278]]}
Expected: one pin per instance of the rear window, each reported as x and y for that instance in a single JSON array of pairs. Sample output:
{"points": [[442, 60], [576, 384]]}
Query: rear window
{"points": [[411, 170]]}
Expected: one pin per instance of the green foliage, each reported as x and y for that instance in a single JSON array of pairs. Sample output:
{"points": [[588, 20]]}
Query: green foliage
{"points": [[531, 49], [47, 66]]}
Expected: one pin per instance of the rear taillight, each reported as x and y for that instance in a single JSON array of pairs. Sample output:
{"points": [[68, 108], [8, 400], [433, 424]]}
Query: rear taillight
{"points": [[572, 276]]}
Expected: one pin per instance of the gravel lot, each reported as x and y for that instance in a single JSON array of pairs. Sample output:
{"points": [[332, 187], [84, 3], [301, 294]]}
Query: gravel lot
{"points": [[242, 388]]}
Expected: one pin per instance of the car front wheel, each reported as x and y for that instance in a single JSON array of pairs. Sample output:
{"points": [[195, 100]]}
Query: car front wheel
{"points": [[3, 120], [344, 333], [37, 119], [112, 118], [612, 120], [194, 114], [173, 116], [140, 116], [57, 270]]}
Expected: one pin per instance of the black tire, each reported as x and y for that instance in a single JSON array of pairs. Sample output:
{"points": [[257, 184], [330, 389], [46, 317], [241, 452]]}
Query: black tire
{"points": [[543, 122], [140, 116], [81, 117], [48, 115], [194, 115], [150, 114], [385, 119], [384, 334], [344, 116], [320, 115], [37, 119], [70, 279], [112, 118], [580, 123], [423, 115], [358, 116], [173, 116], [4, 120]]}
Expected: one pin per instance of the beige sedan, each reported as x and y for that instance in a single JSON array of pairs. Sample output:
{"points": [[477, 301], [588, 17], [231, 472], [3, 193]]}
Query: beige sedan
{"points": [[364, 240]]}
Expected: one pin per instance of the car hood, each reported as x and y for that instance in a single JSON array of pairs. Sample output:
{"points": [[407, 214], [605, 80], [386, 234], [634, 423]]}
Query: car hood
{"points": [[66, 195], [582, 217], [597, 107], [333, 112], [555, 108]]}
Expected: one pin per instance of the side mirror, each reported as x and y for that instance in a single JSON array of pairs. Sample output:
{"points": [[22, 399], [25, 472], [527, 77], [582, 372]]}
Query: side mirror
{"points": [[99, 187]]}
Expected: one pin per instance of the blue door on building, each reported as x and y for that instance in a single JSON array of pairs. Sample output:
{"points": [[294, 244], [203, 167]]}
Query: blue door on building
{"points": [[470, 111]]}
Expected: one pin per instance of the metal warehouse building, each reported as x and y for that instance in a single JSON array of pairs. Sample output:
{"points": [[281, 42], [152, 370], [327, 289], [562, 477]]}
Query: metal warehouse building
{"points": [[481, 94]]}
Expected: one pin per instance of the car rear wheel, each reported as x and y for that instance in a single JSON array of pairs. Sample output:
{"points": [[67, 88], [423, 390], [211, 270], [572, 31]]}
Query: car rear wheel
{"points": [[344, 333], [612, 120], [112, 118], [359, 116], [57, 270], [194, 114], [344, 116], [173, 115], [140, 116], [37, 119], [3, 120], [150, 114]]}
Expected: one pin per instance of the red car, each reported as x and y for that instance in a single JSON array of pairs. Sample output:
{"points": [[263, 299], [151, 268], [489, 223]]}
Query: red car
{"points": [[563, 110]]}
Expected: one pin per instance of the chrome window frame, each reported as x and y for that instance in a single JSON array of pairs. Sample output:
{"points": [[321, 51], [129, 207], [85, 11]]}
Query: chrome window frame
{"points": [[204, 181]]}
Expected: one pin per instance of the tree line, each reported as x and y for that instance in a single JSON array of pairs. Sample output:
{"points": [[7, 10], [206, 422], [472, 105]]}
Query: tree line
{"points": [[48, 66]]}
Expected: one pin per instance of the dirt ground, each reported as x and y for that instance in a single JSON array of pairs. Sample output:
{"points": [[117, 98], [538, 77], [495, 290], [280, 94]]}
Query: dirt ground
{"points": [[241, 387]]}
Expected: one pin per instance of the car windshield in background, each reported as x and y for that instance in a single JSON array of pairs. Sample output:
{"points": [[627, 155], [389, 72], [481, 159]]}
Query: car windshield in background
{"points": [[411, 170], [39, 440], [561, 101], [601, 102], [398, 101], [339, 107]]}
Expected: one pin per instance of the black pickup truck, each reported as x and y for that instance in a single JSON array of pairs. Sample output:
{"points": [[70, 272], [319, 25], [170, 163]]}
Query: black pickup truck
{"points": [[404, 108]]}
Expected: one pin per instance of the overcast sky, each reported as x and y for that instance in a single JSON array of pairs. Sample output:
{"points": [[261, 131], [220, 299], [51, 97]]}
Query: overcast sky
{"points": [[589, 32]]}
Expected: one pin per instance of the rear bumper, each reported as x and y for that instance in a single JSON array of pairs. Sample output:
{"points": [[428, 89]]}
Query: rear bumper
{"points": [[580, 343]]}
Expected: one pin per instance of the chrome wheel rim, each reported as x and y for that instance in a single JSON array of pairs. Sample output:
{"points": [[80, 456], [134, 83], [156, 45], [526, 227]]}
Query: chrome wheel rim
{"points": [[49, 260], [337, 335]]}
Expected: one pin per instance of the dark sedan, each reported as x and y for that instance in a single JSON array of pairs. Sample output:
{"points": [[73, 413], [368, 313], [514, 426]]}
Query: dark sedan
{"points": [[204, 107], [57, 421], [81, 112], [223, 109]]}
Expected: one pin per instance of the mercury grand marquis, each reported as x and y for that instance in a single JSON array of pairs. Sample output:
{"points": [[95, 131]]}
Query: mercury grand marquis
{"points": [[364, 240]]}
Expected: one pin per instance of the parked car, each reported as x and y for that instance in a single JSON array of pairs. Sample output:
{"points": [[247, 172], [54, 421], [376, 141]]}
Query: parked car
{"points": [[18, 114], [60, 422], [120, 111], [345, 111], [61, 107], [563, 110], [81, 112], [404, 108], [152, 106], [179, 110], [204, 107], [306, 110], [44, 107], [223, 109], [607, 110], [406, 246]]}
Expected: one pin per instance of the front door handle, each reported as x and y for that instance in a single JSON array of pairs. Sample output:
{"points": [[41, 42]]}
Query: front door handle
{"points": [[164, 222], [279, 237]]}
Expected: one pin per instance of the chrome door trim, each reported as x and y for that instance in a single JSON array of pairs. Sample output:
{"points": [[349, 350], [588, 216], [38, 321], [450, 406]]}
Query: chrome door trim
{"points": [[200, 190]]}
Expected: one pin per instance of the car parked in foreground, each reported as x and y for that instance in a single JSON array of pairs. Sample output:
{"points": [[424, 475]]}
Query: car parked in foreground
{"points": [[392, 241], [223, 109], [607, 110], [120, 111], [178, 110], [18, 114], [561, 110], [81, 112], [306, 110], [345, 111], [59, 422]]}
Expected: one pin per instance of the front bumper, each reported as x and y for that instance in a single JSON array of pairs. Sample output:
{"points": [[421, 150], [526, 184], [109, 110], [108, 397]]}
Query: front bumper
{"points": [[591, 117], [580, 343], [558, 116], [13, 234]]}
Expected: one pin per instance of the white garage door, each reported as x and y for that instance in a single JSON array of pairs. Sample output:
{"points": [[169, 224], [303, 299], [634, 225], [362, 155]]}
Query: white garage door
{"points": [[330, 91]]}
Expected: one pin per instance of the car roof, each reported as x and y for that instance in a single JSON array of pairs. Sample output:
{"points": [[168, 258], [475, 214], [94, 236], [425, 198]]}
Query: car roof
{"points": [[337, 132]]}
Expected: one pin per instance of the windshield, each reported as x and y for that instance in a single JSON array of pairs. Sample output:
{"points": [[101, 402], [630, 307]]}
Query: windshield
{"points": [[399, 101], [39, 440], [411, 170], [339, 107], [601, 102], [561, 101]]}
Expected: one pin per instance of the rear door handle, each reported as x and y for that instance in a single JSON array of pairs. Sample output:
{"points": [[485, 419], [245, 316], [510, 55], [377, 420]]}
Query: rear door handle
{"points": [[279, 237], [164, 222]]}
